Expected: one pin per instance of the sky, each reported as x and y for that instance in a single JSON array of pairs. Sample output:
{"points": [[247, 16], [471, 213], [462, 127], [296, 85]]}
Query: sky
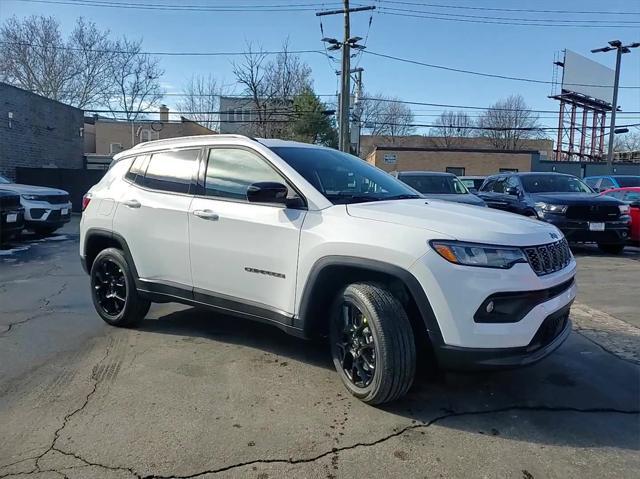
{"points": [[514, 50]]}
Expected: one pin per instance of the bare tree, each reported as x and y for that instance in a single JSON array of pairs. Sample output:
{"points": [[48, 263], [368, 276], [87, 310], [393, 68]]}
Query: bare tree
{"points": [[509, 123], [386, 116], [451, 126], [135, 75], [33, 56], [201, 100], [271, 86], [628, 141]]}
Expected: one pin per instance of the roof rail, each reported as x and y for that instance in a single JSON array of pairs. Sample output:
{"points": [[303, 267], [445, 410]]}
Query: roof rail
{"points": [[192, 137]]}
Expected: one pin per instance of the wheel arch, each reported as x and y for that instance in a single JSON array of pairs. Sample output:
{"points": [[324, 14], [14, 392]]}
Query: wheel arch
{"points": [[98, 239], [332, 273]]}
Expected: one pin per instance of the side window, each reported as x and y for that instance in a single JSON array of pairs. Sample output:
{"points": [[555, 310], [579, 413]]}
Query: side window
{"points": [[592, 182], [171, 170], [488, 184], [606, 184], [632, 196], [499, 185], [230, 171], [138, 167], [512, 182]]}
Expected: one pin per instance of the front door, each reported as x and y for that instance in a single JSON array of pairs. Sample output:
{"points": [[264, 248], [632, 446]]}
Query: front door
{"points": [[243, 255]]}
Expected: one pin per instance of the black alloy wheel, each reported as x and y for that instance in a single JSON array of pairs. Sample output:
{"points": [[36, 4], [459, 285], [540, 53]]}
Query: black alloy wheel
{"points": [[110, 287], [355, 347]]}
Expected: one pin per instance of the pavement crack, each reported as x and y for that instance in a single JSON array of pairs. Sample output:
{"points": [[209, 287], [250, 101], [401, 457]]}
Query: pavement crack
{"points": [[431, 422], [43, 310]]}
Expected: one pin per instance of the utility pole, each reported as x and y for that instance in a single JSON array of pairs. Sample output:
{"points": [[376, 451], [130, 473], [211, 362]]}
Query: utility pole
{"points": [[345, 87], [620, 49]]}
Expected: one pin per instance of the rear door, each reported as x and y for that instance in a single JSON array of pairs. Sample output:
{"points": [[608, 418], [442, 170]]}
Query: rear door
{"points": [[152, 216], [243, 255]]}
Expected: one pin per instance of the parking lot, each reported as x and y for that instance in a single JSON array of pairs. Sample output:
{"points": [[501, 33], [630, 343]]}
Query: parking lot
{"points": [[194, 394]]}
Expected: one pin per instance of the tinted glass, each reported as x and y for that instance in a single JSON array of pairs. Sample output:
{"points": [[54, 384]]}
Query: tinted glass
{"points": [[456, 170], [616, 194], [606, 183], [343, 178], [231, 171], [435, 184], [488, 184], [500, 185], [553, 184], [512, 182], [137, 168], [171, 170], [632, 196], [627, 181]]}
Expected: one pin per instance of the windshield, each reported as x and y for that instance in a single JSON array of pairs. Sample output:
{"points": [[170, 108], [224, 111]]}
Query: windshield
{"points": [[3, 180], [553, 184], [435, 184], [626, 181], [343, 178]]}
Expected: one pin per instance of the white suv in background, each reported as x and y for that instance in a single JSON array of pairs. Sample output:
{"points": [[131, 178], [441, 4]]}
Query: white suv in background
{"points": [[45, 209], [322, 244]]}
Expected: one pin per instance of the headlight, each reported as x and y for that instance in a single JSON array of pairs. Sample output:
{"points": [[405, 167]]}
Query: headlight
{"points": [[473, 254], [624, 209], [551, 208], [31, 197]]}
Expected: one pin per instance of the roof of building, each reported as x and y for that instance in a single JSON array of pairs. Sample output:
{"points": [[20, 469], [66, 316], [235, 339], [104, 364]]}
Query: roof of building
{"points": [[441, 149], [22, 90]]}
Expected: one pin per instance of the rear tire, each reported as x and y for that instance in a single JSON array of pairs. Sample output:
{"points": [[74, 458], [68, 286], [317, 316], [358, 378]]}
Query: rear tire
{"points": [[611, 248], [113, 290], [372, 343]]}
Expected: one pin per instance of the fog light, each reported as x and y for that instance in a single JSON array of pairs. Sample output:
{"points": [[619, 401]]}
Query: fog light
{"points": [[489, 307]]}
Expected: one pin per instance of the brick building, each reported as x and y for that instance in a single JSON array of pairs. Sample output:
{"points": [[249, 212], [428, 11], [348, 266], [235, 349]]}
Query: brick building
{"points": [[38, 132]]}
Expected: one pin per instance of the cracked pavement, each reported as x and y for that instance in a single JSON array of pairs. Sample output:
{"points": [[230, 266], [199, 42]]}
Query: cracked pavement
{"points": [[192, 394]]}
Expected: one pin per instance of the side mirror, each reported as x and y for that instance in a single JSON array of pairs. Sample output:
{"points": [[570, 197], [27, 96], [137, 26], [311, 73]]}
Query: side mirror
{"points": [[267, 192], [512, 190]]}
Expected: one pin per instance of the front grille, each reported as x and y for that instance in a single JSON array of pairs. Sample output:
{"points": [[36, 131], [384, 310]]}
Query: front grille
{"points": [[54, 199], [8, 202], [593, 212], [548, 258]]}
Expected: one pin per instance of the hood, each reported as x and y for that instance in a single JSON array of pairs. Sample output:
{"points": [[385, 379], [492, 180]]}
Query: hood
{"points": [[32, 189], [574, 198], [5, 193], [447, 219], [468, 199]]}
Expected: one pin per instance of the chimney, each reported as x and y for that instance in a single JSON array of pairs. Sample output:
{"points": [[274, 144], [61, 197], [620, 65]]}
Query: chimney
{"points": [[164, 113]]}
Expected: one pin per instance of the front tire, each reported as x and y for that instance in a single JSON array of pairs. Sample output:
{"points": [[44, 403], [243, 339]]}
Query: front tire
{"points": [[372, 343], [611, 248], [113, 290]]}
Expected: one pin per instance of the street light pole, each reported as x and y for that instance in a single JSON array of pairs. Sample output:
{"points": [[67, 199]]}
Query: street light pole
{"points": [[612, 127], [345, 87], [620, 49]]}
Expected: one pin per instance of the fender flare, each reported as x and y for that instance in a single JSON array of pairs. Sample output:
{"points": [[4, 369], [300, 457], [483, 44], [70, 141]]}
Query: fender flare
{"points": [[366, 264]]}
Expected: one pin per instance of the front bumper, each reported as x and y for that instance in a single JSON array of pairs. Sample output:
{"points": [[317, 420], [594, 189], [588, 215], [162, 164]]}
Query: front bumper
{"points": [[578, 231], [9, 228], [44, 214], [455, 294], [553, 331]]}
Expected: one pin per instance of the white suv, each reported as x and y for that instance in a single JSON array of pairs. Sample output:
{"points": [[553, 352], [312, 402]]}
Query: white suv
{"points": [[320, 243]]}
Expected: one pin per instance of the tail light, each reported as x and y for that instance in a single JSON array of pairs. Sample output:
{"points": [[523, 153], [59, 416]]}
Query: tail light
{"points": [[86, 199]]}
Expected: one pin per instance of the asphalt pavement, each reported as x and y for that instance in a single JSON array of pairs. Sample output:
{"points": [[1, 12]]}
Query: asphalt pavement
{"points": [[194, 394]]}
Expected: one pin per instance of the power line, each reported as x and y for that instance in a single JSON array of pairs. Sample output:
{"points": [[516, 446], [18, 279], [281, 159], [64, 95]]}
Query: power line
{"points": [[471, 72], [435, 16], [497, 9], [484, 17], [189, 8], [163, 53]]}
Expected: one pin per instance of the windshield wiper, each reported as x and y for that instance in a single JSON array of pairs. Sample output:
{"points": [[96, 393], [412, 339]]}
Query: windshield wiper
{"points": [[405, 196]]}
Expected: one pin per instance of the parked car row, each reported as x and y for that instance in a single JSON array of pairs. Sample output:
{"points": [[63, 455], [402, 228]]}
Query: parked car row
{"points": [[610, 219], [39, 209]]}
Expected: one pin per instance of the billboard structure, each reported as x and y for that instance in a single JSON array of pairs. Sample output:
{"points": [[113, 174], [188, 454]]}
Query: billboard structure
{"points": [[585, 95]]}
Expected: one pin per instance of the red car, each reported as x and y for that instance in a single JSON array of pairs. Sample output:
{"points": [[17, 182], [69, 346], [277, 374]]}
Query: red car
{"points": [[631, 196]]}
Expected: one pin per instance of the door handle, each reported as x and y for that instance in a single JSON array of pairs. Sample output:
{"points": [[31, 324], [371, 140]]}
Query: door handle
{"points": [[206, 215], [132, 203]]}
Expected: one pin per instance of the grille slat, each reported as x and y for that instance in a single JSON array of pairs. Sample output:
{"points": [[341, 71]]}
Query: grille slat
{"points": [[593, 212], [549, 258]]}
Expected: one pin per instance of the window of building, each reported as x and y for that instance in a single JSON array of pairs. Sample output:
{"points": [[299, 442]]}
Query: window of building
{"points": [[456, 170], [115, 148], [148, 134], [171, 170], [230, 171], [508, 170]]}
